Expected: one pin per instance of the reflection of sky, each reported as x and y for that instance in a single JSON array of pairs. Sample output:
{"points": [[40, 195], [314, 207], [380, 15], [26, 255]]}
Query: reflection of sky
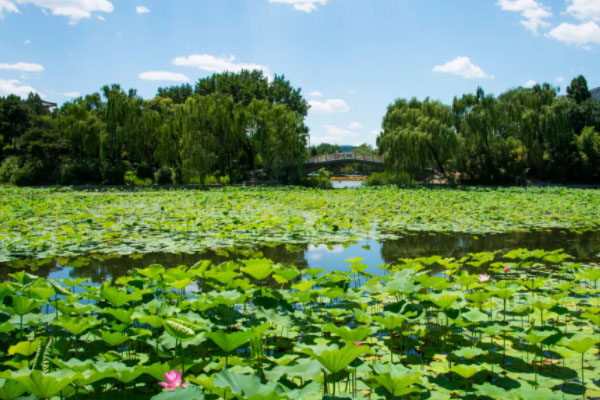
{"points": [[332, 258]]}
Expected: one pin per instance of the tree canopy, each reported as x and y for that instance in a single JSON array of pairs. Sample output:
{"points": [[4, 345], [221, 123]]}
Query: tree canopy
{"points": [[481, 138], [227, 126]]}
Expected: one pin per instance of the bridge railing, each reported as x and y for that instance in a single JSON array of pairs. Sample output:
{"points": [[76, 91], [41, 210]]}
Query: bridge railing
{"points": [[345, 156]]}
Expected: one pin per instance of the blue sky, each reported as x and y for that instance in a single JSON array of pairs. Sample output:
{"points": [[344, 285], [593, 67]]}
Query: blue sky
{"points": [[350, 57]]}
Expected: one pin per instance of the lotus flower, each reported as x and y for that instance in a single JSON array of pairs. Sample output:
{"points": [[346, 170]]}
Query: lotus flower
{"points": [[506, 269], [173, 379], [356, 342], [484, 278]]}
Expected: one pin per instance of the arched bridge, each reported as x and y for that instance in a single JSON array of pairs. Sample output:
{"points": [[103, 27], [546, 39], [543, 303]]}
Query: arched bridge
{"points": [[326, 160]]}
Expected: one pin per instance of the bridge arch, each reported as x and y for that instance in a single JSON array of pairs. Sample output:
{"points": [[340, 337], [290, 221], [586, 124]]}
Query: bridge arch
{"points": [[326, 160]]}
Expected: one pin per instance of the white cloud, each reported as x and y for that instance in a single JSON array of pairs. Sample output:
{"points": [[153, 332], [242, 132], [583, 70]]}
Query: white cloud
{"points": [[534, 14], [71, 94], [302, 5], [530, 83], [355, 126], [23, 67], [462, 66], [207, 62], [579, 35], [163, 76], [375, 133], [11, 86], [27, 42], [74, 9], [8, 6], [316, 94], [336, 135], [142, 10], [101, 18], [584, 10], [559, 79], [328, 106]]}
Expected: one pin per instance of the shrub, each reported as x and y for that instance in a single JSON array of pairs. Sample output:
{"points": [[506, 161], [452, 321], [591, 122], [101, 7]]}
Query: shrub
{"points": [[31, 173], [317, 182], [8, 168], [164, 176], [224, 180], [132, 179], [211, 180], [145, 171], [113, 173], [389, 178], [81, 172]]}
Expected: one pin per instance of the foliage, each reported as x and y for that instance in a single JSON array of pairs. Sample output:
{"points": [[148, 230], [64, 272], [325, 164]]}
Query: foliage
{"points": [[164, 176], [232, 124], [389, 178], [212, 331], [124, 222], [522, 133]]}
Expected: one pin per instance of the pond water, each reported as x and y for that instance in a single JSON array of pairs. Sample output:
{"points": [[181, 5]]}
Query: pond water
{"points": [[346, 184], [583, 247]]}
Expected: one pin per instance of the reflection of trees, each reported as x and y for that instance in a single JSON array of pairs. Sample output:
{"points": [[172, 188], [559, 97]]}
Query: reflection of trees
{"points": [[583, 247], [100, 268]]}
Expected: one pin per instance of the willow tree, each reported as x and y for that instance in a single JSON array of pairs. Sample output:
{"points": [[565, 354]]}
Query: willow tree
{"points": [[417, 135], [276, 136], [121, 113]]}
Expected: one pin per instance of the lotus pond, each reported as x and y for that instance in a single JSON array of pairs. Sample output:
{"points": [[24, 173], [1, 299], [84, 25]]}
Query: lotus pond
{"points": [[293, 293], [42, 223]]}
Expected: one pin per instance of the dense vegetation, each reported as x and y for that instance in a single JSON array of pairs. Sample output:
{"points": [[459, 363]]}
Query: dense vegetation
{"points": [[226, 126], [523, 133], [519, 325], [40, 223]]}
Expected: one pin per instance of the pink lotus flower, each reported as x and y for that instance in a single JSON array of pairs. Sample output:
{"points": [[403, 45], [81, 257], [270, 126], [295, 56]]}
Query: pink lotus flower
{"points": [[506, 269], [173, 379], [484, 278], [356, 342]]}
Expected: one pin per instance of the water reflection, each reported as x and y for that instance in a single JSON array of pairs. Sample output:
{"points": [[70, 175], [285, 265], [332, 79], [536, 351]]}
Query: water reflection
{"points": [[346, 184], [584, 247]]}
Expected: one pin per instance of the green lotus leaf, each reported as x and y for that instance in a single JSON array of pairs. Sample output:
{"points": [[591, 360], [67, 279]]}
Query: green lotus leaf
{"points": [[152, 320], [335, 359], [121, 314], [581, 342], [10, 389], [77, 325], [443, 300], [469, 352], [116, 297], [349, 335], [396, 379], [247, 386], [467, 371], [153, 271], [475, 316], [188, 393], [305, 369], [259, 269], [44, 386], [228, 342], [22, 305], [114, 338], [536, 336], [304, 285], [491, 391], [24, 348], [181, 284]]}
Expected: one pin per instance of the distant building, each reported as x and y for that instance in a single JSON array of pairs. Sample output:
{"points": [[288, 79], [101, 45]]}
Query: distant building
{"points": [[48, 105]]}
